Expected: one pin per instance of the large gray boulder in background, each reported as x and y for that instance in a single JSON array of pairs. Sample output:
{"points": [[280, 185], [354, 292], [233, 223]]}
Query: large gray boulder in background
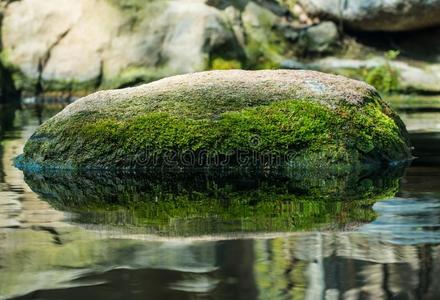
{"points": [[84, 44], [77, 47], [377, 15]]}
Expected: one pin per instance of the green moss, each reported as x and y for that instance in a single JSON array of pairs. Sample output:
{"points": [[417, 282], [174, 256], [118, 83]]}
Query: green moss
{"points": [[384, 77], [289, 4], [219, 63]]}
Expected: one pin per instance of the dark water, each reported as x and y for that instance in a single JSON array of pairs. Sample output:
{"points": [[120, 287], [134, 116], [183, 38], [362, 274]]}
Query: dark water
{"points": [[220, 236]]}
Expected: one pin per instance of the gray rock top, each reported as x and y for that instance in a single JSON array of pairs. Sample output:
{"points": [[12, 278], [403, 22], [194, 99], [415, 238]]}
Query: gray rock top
{"points": [[226, 88]]}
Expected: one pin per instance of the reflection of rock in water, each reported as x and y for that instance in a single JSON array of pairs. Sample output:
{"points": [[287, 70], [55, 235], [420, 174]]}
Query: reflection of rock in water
{"points": [[205, 203], [7, 114]]}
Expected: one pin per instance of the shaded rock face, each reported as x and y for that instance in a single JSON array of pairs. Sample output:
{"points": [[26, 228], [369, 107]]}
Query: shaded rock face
{"points": [[7, 88], [378, 15], [263, 119], [71, 46]]}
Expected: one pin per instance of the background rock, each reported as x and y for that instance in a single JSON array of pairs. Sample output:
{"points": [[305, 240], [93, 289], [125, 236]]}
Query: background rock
{"points": [[322, 37], [377, 15], [422, 79], [76, 47], [70, 46]]}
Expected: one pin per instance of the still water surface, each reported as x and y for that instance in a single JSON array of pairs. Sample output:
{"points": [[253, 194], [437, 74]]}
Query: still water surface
{"points": [[222, 236]]}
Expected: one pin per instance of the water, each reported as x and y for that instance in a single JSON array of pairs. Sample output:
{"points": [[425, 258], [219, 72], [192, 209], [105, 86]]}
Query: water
{"points": [[220, 236]]}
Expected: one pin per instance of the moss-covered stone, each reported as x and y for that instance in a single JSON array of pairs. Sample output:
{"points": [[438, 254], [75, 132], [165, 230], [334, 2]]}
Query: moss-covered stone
{"points": [[235, 118]]}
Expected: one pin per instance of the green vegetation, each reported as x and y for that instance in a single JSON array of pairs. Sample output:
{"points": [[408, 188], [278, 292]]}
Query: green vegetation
{"points": [[219, 63], [384, 78]]}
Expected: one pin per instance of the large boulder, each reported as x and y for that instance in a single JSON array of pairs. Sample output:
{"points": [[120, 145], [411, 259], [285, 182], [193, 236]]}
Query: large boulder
{"points": [[81, 45], [224, 119], [377, 15]]}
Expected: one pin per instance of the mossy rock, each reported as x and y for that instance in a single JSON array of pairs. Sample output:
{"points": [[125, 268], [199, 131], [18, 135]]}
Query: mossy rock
{"points": [[262, 119]]}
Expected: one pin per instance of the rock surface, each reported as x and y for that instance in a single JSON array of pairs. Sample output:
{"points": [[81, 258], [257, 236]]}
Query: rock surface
{"points": [[300, 118], [69, 45], [322, 37], [378, 15], [411, 78], [72, 50]]}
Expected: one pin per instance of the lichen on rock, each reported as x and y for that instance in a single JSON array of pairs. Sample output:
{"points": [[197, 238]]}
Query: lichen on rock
{"points": [[260, 119]]}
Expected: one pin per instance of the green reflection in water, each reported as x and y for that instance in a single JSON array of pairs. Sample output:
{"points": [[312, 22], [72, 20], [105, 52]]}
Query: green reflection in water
{"points": [[195, 203]]}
